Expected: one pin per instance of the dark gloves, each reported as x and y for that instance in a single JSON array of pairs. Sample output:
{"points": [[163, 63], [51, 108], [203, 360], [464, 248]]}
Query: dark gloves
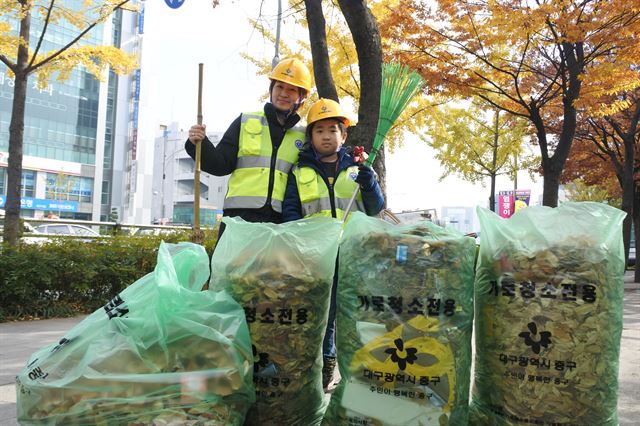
{"points": [[366, 177]]}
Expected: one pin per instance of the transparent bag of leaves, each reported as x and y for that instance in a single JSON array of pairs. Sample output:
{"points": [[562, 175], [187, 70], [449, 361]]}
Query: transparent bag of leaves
{"points": [[549, 292], [404, 315], [282, 276], [160, 352]]}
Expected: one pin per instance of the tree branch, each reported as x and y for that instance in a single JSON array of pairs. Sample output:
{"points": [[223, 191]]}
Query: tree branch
{"points": [[31, 68], [319, 51], [8, 63], [44, 30]]}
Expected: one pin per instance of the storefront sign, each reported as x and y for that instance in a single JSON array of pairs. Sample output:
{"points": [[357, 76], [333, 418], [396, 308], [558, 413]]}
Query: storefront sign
{"points": [[42, 204]]}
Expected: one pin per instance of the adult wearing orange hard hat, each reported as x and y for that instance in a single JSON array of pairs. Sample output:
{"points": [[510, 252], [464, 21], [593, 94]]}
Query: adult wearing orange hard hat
{"points": [[259, 148]]}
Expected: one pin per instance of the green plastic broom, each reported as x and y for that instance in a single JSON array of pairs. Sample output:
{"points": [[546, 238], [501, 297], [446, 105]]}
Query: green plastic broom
{"points": [[399, 86]]}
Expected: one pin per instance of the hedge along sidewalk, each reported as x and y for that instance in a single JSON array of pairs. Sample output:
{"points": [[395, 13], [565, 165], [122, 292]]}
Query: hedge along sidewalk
{"points": [[65, 277]]}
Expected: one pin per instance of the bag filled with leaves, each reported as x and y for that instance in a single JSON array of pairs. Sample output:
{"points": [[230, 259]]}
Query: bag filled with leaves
{"points": [[549, 293], [404, 315], [161, 352], [282, 276]]}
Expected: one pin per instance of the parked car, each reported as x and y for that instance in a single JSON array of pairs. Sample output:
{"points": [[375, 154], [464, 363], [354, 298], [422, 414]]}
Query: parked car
{"points": [[26, 226], [139, 232], [65, 229]]}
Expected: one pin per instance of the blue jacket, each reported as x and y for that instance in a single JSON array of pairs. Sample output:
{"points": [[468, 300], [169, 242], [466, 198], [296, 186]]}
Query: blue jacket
{"points": [[373, 199]]}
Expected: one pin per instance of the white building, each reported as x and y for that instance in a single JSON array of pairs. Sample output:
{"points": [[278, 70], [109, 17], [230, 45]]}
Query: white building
{"points": [[460, 218], [173, 185]]}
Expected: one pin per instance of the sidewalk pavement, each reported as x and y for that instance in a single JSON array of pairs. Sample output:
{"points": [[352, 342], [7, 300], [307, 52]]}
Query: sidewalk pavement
{"points": [[18, 340]]}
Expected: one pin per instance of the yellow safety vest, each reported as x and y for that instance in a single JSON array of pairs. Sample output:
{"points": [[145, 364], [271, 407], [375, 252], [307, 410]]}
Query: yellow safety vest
{"points": [[316, 198], [248, 186]]}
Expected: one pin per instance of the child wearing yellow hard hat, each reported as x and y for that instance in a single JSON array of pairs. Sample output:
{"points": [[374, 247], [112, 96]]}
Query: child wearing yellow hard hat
{"points": [[322, 184]]}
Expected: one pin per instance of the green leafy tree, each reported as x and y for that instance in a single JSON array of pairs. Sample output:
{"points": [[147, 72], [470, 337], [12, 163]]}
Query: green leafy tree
{"points": [[22, 50], [346, 32], [478, 142]]}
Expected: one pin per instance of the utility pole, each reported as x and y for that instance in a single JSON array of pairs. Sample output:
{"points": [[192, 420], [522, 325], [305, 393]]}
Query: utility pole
{"points": [[276, 57]]}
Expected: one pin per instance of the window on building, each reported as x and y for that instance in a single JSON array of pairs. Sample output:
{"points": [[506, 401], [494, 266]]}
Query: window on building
{"points": [[86, 189], [183, 214], [106, 185], [184, 188], [3, 180], [185, 165], [28, 184], [71, 188]]}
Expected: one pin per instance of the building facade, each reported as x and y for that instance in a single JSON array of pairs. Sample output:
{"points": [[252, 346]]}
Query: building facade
{"points": [[461, 218], [80, 136], [173, 181]]}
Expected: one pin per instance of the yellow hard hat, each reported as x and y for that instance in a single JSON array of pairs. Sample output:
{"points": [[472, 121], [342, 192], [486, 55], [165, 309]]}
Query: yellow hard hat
{"points": [[294, 72], [326, 108]]}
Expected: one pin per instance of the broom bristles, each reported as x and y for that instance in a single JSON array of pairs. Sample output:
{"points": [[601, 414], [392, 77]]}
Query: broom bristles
{"points": [[399, 86]]}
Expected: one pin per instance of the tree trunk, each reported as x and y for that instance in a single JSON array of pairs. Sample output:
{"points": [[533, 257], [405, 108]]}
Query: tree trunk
{"points": [[364, 30], [16, 138], [552, 169], [319, 52], [636, 228], [366, 36], [494, 161], [628, 195], [550, 186], [492, 195], [628, 184], [552, 165]]}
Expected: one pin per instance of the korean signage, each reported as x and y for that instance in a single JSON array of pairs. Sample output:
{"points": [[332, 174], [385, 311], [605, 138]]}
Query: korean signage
{"points": [[505, 205], [510, 202], [141, 19], [136, 103], [42, 204]]}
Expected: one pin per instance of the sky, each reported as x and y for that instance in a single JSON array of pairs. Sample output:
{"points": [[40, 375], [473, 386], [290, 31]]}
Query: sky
{"points": [[177, 40]]}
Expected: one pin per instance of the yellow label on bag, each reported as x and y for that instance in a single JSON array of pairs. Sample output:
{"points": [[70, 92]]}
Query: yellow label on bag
{"points": [[409, 362]]}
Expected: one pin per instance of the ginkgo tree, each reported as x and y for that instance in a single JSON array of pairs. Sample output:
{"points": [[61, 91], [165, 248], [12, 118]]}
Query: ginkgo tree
{"points": [[477, 142], [346, 65], [543, 60], [25, 53]]}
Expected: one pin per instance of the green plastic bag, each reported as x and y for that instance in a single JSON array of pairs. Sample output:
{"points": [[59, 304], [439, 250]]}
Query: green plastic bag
{"points": [[549, 293], [161, 352], [405, 310], [282, 276]]}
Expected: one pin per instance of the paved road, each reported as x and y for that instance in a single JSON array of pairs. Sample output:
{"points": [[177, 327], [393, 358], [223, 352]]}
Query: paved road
{"points": [[19, 340]]}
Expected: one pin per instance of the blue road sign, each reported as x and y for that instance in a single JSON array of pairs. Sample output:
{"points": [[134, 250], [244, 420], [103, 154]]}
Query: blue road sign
{"points": [[174, 4]]}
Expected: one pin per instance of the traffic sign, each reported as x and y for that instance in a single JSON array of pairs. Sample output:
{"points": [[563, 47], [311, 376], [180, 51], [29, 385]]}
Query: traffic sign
{"points": [[174, 4]]}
